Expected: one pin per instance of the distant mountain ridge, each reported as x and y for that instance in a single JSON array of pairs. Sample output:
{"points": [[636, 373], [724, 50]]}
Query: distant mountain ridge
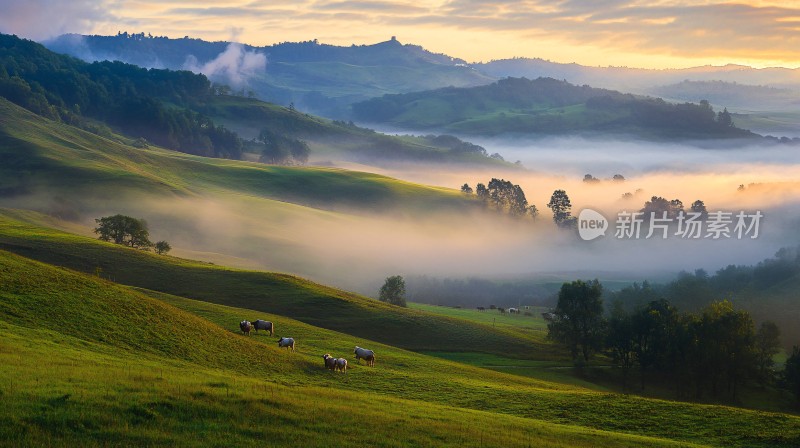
{"points": [[638, 80], [316, 77], [327, 78]]}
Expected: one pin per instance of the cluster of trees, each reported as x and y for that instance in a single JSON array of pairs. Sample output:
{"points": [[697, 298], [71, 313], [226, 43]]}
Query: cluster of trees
{"points": [[589, 179], [673, 208], [716, 350], [128, 231], [767, 290], [153, 104], [684, 119], [506, 196], [503, 196], [279, 149]]}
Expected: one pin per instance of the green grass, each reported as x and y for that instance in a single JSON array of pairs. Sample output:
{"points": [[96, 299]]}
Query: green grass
{"points": [[534, 324], [778, 123], [277, 293], [89, 398], [87, 362], [331, 141], [39, 154]]}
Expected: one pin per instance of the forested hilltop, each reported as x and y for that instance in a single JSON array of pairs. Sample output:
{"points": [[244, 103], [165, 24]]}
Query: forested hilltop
{"points": [[547, 106]]}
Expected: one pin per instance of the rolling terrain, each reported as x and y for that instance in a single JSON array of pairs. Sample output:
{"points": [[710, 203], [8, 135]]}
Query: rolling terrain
{"points": [[105, 345], [183, 111], [239, 213], [138, 366], [41, 154]]}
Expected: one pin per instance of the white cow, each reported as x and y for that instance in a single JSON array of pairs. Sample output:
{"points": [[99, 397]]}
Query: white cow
{"points": [[341, 365], [286, 342], [368, 355]]}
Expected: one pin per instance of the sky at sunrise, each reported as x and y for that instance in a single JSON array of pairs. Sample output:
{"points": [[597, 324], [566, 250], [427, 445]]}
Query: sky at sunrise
{"points": [[647, 34]]}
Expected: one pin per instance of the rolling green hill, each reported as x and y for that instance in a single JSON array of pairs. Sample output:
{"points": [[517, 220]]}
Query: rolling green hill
{"points": [[88, 362], [41, 154], [545, 106], [177, 109], [340, 140], [238, 213], [275, 293]]}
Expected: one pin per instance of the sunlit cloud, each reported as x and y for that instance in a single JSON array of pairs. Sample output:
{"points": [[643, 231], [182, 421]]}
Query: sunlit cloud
{"points": [[606, 32]]}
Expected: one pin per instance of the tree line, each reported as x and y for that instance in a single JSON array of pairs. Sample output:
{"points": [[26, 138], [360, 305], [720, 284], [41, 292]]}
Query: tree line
{"points": [[504, 196], [713, 352]]}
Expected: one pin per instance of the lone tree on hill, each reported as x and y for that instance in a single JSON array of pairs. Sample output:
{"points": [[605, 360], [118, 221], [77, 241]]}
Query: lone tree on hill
{"points": [[162, 247], [121, 229], [561, 207], [393, 291]]}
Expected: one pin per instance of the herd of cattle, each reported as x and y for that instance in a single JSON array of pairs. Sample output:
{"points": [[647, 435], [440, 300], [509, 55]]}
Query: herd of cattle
{"points": [[331, 363]]}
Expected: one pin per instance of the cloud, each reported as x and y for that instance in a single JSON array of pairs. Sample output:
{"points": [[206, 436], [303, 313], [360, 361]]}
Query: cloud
{"points": [[655, 33], [678, 28], [234, 66], [44, 19]]}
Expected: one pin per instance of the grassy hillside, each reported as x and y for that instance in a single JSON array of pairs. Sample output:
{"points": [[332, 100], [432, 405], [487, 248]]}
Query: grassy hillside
{"points": [[275, 293], [40, 154], [177, 379], [544, 106], [334, 140]]}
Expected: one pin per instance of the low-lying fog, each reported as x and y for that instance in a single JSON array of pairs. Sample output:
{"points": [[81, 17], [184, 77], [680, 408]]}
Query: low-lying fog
{"points": [[474, 247], [358, 249]]}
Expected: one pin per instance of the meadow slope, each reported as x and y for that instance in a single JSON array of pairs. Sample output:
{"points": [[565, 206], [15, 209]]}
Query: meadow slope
{"points": [[282, 294], [40, 155], [141, 367]]}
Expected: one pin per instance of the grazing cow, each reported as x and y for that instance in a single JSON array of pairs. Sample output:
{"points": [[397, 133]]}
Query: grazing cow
{"points": [[330, 361], [341, 365], [286, 342], [480, 308], [264, 325], [368, 355], [245, 326], [513, 310]]}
